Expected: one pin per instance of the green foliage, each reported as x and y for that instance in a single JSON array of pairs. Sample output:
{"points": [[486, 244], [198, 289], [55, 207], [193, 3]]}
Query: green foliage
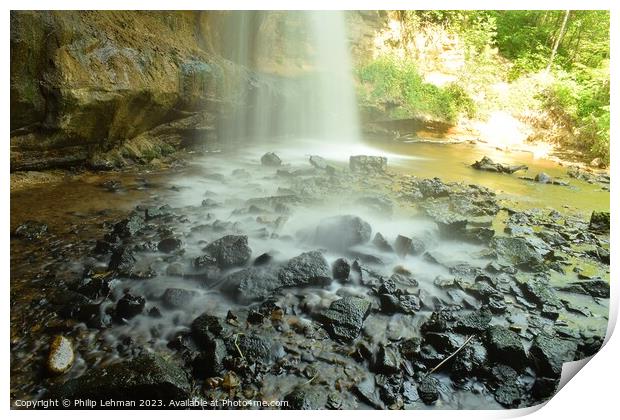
{"points": [[581, 100], [391, 81]]}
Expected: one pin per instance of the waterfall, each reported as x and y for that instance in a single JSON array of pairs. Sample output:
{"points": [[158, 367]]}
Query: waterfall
{"points": [[300, 77]]}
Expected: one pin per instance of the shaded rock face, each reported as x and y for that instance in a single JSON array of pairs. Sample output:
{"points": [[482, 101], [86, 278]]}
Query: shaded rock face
{"points": [[505, 346], [309, 268], [144, 377], [550, 353], [84, 82], [339, 233]]}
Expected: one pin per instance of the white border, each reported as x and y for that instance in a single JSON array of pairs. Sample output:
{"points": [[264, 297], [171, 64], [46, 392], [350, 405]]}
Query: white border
{"points": [[592, 395]]}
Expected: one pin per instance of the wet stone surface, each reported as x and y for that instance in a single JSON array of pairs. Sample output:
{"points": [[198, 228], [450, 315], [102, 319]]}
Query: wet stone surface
{"points": [[327, 285]]}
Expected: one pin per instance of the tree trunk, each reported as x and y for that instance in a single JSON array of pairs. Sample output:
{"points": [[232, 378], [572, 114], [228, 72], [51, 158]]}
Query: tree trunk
{"points": [[558, 40]]}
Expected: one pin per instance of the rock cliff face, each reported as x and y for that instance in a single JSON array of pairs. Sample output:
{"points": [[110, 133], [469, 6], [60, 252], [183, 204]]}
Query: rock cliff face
{"points": [[99, 87]]}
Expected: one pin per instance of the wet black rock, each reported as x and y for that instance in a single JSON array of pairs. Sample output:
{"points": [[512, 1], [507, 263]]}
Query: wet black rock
{"points": [[470, 361], [230, 251], [129, 306], [145, 377], [307, 269], [205, 329], [518, 252], [538, 291], [263, 259], [211, 362], [254, 348], [122, 261], [367, 392], [433, 188], [339, 233], [550, 353], [408, 246], [508, 395], [368, 164], [175, 298], [306, 398], [444, 343], [381, 243], [341, 269], [345, 318], [129, 226], [270, 159], [31, 230], [94, 286], [388, 360], [505, 346], [544, 388], [169, 245], [410, 348], [599, 221], [403, 303], [595, 287], [74, 305], [428, 390], [486, 164]]}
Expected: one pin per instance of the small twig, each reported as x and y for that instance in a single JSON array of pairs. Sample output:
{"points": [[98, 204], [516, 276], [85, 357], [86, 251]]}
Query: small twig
{"points": [[237, 346], [450, 357], [311, 379]]}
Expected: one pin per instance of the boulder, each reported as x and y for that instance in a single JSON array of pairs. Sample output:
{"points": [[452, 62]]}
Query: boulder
{"points": [[594, 287], [345, 318], [129, 226], [339, 233], [61, 355], [408, 246], [341, 269], [145, 377], [205, 329], [318, 162], [254, 348], [543, 178], [550, 353], [368, 164], [388, 360], [381, 243], [230, 251], [505, 346], [270, 159], [307, 269]]}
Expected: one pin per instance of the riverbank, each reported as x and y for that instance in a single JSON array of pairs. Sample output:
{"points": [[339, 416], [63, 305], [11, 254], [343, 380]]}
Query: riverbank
{"points": [[314, 282]]}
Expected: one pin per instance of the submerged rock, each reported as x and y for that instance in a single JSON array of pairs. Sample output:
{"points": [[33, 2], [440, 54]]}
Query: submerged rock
{"points": [[122, 261], [307, 269], [270, 159], [230, 251], [339, 233], [31, 230], [169, 245], [61, 356], [369, 164], [345, 318], [145, 377], [175, 298], [252, 284]]}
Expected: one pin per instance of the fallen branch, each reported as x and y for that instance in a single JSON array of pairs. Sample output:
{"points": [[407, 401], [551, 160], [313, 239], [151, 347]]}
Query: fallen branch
{"points": [[237, 346], [450, 357]]}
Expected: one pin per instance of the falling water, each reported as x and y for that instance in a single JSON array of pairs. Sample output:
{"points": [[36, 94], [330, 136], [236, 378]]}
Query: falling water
{"points": [[301, 83]]}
